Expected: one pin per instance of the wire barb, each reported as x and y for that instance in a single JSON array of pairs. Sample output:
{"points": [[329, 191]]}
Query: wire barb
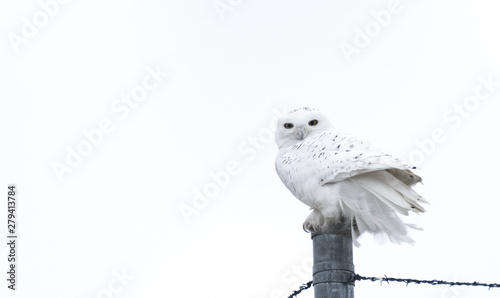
{"points": [[302, 288]]}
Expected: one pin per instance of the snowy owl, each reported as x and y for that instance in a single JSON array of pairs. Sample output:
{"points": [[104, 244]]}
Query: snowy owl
{"points": [[344, 180]]}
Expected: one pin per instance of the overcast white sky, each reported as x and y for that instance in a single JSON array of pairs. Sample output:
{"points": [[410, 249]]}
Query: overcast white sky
{"points": [[117, 114]]}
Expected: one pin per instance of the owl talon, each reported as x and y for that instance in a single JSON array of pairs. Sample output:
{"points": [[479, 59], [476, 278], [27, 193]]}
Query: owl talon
{"points": [[313, 222]]}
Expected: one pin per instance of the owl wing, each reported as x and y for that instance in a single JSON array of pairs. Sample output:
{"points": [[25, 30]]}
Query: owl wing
{"points": [[329, 157], [341, 156]]}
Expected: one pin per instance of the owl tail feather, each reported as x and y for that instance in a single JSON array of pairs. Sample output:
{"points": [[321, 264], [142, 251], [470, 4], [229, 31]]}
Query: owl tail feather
{"points": [[374, 201]]}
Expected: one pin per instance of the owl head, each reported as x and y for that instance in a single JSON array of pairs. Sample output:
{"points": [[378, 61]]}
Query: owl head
{"points": [[298, 124]]}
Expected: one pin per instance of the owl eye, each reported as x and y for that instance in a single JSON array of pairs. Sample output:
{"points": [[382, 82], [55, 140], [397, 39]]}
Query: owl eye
{"points": [[313, 122], [288, 125]]}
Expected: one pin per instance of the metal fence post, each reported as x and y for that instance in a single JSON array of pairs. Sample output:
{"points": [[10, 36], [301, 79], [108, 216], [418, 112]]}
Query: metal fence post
{"points": [[333, 270]]}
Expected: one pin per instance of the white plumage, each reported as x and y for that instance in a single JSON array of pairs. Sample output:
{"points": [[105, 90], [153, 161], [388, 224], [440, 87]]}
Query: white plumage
{"points": [[344, 179]]}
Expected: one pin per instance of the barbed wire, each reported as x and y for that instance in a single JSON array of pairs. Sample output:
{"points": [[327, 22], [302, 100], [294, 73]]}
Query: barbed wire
{"points": [[302, 288], [407, 281], [433, 282]]}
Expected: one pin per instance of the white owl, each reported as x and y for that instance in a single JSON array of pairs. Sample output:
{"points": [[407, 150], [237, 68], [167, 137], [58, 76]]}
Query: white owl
{"points": [[346, 182]]}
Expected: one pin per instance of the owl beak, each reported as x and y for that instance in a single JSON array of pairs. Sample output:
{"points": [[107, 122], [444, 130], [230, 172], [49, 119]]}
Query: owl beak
{"points": [[301, 133]]}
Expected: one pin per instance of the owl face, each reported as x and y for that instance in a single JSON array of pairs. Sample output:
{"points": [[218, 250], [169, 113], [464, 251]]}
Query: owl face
{"points": [[298, 124]]}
